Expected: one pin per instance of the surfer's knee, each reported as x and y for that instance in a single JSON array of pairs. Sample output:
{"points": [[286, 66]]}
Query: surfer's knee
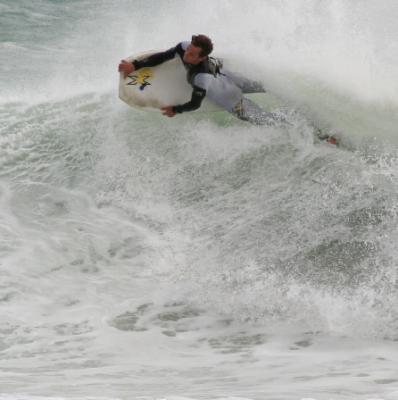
{"points": [[239, 111], [247, 110]]}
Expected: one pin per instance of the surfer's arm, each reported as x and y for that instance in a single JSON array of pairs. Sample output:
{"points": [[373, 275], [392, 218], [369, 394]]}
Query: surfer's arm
{"points": [[201, 84], [198, 94], [157, 58]]}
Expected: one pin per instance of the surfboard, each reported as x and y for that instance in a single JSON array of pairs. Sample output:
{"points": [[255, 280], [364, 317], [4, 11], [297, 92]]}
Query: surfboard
{"points": [[164, 85]]}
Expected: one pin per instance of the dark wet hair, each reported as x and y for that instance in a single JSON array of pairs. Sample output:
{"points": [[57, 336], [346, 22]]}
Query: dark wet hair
{"points": [[204, 43]]}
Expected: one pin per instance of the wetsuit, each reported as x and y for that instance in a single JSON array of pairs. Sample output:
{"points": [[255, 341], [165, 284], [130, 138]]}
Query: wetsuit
{"points": [[210, 79]]}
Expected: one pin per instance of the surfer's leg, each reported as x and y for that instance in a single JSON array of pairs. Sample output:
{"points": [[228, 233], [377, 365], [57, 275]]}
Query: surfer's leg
{"points": [[325, 136], [245, 84], [248, 110]]}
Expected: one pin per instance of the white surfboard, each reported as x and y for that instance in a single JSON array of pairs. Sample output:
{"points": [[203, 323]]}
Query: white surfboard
{"points": [[151, 88]]}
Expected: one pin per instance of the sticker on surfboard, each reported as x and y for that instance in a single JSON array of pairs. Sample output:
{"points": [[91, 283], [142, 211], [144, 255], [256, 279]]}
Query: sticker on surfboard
{"points": [[141, 78]]}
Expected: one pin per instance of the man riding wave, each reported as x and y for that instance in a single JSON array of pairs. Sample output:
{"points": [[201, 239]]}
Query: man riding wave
{"points": [[208, 79]]}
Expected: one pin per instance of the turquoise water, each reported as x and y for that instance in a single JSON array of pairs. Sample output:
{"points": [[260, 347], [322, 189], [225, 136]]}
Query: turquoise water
{"points": [[198, 257]]}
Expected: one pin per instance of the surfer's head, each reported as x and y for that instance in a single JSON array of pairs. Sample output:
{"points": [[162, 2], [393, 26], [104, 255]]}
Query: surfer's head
{"points": [[198, 50]]}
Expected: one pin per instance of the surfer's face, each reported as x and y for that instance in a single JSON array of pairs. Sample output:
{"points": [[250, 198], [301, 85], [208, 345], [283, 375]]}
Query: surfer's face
{"points": [[192, 55]]}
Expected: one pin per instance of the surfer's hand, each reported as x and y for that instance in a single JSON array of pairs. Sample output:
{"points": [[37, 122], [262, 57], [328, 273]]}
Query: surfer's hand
{"points": [[126, 67], [168, 111]]}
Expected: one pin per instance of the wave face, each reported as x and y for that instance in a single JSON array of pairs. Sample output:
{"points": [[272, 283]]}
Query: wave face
{"points": [[144, 257]]}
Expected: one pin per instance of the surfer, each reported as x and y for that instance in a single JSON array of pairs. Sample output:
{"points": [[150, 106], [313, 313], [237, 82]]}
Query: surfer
{"points": [[208, 79]]}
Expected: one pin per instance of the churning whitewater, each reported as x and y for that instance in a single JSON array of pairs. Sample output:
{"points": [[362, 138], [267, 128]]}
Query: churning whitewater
{"points": [[198, 257]]}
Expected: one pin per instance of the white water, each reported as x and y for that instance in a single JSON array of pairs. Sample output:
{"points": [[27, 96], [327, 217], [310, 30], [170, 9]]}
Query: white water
{"points": [[198, 257]]}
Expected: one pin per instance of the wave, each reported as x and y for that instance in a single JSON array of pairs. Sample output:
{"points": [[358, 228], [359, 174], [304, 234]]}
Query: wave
{"points": [[260, 223]]}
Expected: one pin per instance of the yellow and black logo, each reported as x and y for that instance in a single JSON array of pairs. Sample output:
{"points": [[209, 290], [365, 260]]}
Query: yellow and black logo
{"points": [[141, 77]]}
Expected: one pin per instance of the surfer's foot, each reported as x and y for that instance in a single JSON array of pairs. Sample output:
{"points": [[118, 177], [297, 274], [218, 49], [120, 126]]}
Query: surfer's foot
{"points": [[327, 138], [332, 140]]}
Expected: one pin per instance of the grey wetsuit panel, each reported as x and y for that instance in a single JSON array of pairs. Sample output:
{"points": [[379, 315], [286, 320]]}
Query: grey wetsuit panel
{"points": [[220, 89], [247, 85]]}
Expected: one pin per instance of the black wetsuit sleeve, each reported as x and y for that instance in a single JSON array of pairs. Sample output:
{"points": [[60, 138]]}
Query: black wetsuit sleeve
{"points": [[198, 94], [157, 58]]}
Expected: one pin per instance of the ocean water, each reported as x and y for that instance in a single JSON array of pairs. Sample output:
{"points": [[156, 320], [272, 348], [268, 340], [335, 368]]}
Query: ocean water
{"points": [[198, 257]]}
